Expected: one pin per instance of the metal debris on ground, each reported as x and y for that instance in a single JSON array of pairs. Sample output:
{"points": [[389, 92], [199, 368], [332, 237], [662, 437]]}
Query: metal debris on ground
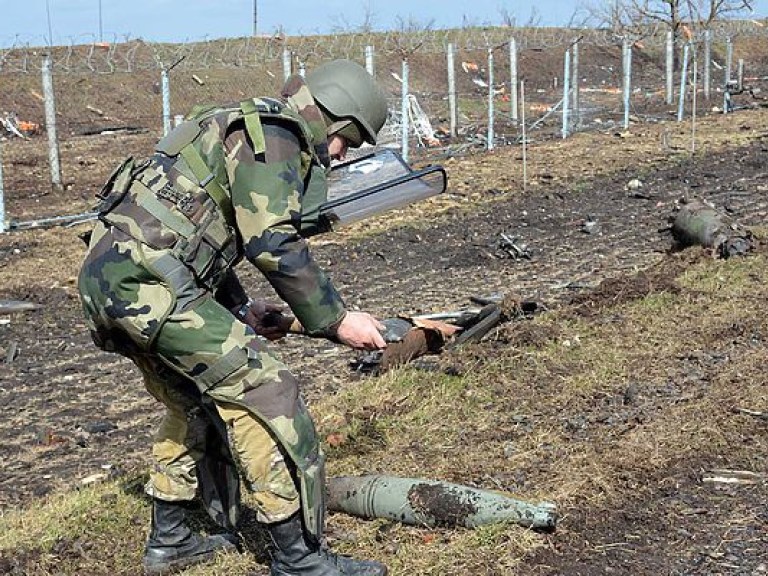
{"points": [[12, 306], [699, 223], [409, 338], [510, 247]]}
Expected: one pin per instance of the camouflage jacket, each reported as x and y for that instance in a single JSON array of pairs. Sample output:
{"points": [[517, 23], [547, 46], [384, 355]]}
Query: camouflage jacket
{"points": [[233, 182]]}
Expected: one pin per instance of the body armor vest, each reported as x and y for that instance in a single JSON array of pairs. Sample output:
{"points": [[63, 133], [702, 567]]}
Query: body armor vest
{"points": [[179, 202]]}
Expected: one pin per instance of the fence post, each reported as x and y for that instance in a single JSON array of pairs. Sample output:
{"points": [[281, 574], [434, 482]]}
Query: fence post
{"points": [[525, 144], [728, 59], [369, 60], [513, 107], [50, 124], [575, 87], [707, 80], [287, 63], [683, 82], [404, 107], [452, 90], [491, 111], [566, 90], [740, 74], [670, 92], [627, 50], [2, 197], [165, 84]]}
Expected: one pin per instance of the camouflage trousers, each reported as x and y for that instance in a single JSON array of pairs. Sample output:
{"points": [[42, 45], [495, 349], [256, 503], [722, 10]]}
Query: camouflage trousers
{"points": [[187, 432]]}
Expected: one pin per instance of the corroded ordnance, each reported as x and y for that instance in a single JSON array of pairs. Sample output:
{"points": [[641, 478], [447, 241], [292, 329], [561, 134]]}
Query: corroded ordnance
{"points": [[697, 223], [433, 503]]}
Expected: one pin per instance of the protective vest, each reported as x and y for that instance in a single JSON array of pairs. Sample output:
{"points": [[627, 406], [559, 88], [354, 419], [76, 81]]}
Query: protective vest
{"points": [[178, 202]]}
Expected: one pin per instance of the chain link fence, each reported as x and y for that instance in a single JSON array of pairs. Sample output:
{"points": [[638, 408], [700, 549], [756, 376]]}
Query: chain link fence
{"points": [[450, 90]]}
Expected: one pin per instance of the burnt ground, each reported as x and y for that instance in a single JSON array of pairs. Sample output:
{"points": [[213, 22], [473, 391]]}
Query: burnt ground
{"points": [[72, 411]]}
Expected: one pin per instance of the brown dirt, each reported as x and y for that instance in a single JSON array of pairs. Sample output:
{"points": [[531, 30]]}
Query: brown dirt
{"points": [[71, 409]]}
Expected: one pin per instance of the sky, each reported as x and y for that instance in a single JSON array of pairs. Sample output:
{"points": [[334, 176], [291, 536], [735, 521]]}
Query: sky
{"points": [[83, 21]]}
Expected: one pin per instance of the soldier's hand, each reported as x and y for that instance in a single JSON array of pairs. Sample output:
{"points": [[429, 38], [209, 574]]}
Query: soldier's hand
{"points": [[362, 331], [265, 318]]}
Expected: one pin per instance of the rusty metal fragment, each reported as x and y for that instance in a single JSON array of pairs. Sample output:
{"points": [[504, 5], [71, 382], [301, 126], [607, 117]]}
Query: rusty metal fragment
{"points": [[432, 503], [697, 223]]}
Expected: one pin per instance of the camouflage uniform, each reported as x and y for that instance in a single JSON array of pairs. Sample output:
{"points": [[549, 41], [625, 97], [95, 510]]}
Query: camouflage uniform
{"points": [[157, 285]]}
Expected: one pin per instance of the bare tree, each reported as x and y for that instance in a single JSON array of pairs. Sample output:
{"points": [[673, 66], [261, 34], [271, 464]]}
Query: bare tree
{"points": [[638, 18]]}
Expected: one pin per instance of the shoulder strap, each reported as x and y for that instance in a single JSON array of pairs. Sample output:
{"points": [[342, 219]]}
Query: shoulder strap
{"points": [[251, 111], [208, 181]]}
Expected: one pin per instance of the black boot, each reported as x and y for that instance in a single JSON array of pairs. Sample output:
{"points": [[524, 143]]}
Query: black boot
{"points": [[172, 545], [297, 555]]}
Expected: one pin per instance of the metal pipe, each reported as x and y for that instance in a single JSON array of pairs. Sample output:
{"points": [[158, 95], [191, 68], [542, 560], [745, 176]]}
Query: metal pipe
{"points": [[421, 502], [728, 59], [740, 74], [525, 144], [287, 63]]}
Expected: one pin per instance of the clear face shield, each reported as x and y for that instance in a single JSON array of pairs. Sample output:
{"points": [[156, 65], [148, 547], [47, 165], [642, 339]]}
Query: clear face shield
{"points": [[368, 186]]}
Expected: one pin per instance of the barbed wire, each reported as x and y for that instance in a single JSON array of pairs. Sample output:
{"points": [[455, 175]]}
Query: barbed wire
{"points": [[86, 54]]}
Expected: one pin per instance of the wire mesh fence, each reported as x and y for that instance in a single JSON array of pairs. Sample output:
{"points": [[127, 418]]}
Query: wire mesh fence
{"points": [[463, 86]]}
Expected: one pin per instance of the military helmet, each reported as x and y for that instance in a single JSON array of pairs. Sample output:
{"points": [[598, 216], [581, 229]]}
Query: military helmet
{"points": [[354, 105]]}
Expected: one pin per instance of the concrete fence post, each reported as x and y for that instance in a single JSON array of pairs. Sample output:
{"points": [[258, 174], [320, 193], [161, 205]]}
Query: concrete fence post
{"points": [[369, 60], [670, 69], [707, 80], [287, 63], [575, 85], [165, 84], [740, 74], [513, 106], [453, 113], [566, 90], [2, 193], [404, 112], [50, 124], [627, 67], [491, 101], [683, 83]]}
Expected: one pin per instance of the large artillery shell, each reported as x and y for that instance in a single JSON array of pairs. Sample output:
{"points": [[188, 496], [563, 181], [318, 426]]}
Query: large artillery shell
{"points": [[699, 224], [433, 503]]}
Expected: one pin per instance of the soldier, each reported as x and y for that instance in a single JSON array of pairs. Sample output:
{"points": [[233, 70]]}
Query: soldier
{"points": [[158, 286]]}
